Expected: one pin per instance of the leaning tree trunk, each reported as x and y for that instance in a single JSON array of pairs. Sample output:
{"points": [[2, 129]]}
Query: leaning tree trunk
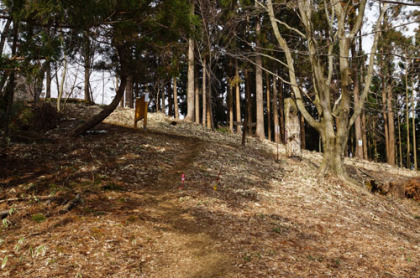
{"points": [[98, 118], [123, 54]]}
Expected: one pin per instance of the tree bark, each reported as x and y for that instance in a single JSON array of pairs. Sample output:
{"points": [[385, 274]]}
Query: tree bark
{"points": [[399, 140], [413, 111], [87, 65], [281, 106], [391, 127], [39, 82], [170, 100], [129, 102], [407, 115], [204, 118], [197, 103], [356, 90], [238, 95], [302, 132], [248, 101], [10, 88], [4, 34], [190, 87], [48, 81], [210, 118], [275, 112], [259, 131], [268, 108], [61, 88], [230, 105], [364, 133], [176, 109]]}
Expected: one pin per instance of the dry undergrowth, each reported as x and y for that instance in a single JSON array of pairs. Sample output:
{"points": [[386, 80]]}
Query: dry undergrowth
{"points": [[239, 214]]}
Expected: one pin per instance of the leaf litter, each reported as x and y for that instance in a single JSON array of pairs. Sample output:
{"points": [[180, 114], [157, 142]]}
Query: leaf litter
{"points": [[262, 219]]}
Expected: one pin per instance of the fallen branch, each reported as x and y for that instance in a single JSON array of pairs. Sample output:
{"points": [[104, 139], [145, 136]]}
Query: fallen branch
{"points": [[35, 198], [4, 214], [71, 204]]}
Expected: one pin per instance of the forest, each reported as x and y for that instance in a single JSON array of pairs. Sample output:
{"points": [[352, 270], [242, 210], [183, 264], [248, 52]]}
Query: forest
{"points": [[282, 138], [350, 67]]}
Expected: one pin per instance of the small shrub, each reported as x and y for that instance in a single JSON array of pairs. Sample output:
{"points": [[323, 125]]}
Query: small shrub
{"points": [[38, 217]]}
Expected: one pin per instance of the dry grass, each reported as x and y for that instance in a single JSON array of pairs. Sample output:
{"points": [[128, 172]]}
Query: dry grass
{"points": [[265, 218]]}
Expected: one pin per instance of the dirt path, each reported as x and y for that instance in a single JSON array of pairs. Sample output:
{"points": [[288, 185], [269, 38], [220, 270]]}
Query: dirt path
{"points": [[190, 249]]}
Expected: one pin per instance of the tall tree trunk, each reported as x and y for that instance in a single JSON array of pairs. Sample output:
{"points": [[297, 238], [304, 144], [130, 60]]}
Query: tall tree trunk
{"points": [[384, 104], [204, 118], [87, 65], [48, 81], [10, 88], [391, 127], [170, 100], [248, 101], [238, 96], [175, 98], [276, 112], [399, 140], [39, 82], [302, 133], [364, 128], [129, 92], [230, 105], [407, 115], [413, 111], [259, 85], [190, 87], [281, 106], [61, 89], [210, 118], [197, 103], [268, 108], [162, 97], [4, 34], [364, 136], [356, 91], [157, 102]]}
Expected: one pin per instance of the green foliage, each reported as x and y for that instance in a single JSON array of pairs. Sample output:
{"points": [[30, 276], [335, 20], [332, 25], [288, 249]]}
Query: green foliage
{"points": [[38, 217], [223, 130]]}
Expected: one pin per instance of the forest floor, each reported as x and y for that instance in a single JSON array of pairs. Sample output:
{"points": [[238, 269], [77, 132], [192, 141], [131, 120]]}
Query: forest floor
{"points": [[239, 214]]}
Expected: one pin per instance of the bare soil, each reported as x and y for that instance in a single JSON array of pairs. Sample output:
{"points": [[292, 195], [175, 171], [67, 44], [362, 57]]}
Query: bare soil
{"points": [[239, 213]]}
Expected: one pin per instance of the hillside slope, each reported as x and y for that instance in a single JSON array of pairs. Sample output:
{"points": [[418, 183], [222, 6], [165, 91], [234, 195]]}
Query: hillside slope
{"points": [[239, 213]]}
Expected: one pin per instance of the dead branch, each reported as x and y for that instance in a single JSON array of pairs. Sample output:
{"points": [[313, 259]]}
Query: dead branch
{"points": [[35, 198], [70, 205], [4, 214]]}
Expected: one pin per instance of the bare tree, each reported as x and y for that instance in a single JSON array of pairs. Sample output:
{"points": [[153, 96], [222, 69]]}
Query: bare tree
{"points": [[334, 116]]}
